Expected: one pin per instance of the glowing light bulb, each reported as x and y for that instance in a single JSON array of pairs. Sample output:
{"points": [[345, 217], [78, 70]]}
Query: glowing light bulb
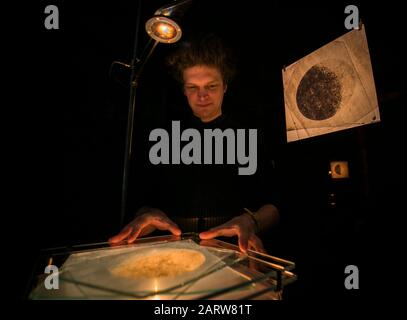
{"points": [[165, 31]]}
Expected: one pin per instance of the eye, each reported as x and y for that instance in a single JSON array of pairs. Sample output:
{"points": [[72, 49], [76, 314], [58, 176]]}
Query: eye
{"points": [[212, 87], [190, 88]]}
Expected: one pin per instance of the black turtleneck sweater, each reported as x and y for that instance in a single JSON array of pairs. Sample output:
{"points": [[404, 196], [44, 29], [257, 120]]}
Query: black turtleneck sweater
{"points": [[201, 196]]}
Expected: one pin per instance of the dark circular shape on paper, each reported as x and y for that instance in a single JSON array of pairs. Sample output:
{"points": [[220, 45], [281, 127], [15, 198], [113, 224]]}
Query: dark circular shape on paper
{"points": [[319, 93]]}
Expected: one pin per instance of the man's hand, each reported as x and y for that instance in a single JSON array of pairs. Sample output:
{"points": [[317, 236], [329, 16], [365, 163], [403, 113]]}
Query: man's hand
{"points": [[242, 226], [144, 224]]}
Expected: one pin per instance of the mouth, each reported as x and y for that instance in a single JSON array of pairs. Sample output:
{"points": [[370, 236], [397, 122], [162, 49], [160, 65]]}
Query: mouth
{"points": [[203, 105]]}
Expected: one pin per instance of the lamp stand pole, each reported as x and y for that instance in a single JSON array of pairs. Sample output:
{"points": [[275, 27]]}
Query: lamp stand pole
{"points": [[137, 66]]}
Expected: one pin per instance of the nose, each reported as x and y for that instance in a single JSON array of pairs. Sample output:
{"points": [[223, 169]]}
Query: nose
{"points": [[202, 93]]}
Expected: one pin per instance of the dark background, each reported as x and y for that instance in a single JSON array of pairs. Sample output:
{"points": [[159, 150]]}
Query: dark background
{"points": [[76, 148]]}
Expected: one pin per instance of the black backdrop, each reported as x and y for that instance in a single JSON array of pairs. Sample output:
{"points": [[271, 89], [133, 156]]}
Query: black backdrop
{"points": [[77, 148]]}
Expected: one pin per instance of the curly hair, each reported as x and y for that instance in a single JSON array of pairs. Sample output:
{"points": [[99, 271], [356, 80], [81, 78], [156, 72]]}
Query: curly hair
{"points": [[206, 50]]}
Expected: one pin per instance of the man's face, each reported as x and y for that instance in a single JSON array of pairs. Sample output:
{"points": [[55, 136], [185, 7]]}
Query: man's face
{"points": [[204, 89]]}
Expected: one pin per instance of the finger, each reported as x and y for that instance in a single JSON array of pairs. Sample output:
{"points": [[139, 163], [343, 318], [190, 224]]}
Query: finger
{"points": [[175, 230], [121, 236], [257, 244], [243, 241], [135, 234], [218, 232], [115, 244], [166, 224], [172, 227], [142, 226], [150, 225]]}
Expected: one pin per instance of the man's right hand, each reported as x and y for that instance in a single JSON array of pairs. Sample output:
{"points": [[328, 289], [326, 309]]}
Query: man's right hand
{"points": [[144, 224]]}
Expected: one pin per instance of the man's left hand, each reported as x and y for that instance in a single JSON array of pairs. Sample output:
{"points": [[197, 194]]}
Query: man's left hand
{"points": [[242, 226]]}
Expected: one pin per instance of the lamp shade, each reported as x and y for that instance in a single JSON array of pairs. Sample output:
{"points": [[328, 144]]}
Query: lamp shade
{"points": [[162, 26], [163, 29]]}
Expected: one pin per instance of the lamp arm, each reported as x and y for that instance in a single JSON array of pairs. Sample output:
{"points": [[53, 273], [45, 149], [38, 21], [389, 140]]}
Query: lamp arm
{"points": [[179, 6]]}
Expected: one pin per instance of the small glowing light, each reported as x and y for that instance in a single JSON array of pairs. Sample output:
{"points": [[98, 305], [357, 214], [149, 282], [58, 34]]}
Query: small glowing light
{"points": [[339, 169], [156, 296]]}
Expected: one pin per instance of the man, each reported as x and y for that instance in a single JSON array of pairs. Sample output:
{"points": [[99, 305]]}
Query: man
{"points": [[200, 197]]}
